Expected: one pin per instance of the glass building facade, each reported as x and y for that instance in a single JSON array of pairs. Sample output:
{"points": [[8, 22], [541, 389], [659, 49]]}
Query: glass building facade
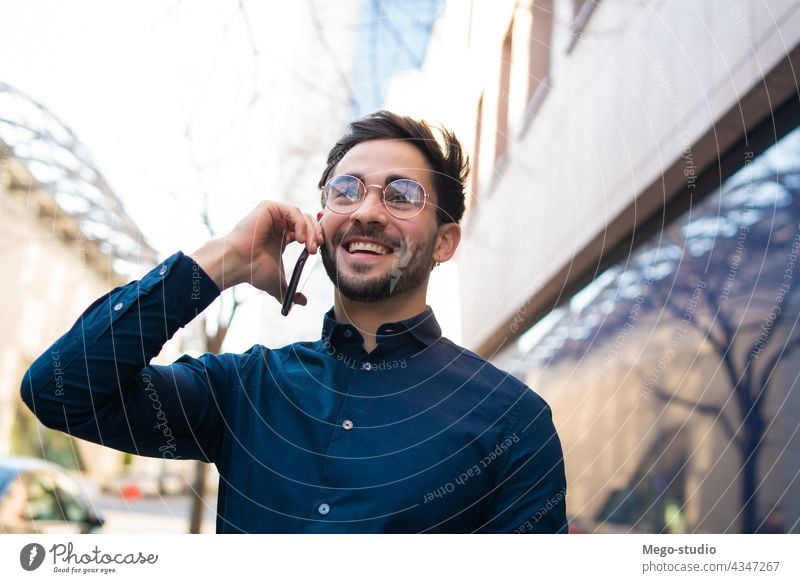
{"points": [[673, 375], [390, 37]]}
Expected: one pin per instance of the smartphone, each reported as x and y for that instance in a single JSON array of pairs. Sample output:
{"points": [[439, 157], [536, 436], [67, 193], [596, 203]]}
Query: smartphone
{"points": [[295, 279]]}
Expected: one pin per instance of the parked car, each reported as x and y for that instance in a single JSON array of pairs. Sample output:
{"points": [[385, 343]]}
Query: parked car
{"points": [[40, 497]]}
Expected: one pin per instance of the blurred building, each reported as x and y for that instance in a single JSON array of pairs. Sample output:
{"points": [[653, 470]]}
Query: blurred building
{"points": [[65, 240], [345, 54], [631, 243]]}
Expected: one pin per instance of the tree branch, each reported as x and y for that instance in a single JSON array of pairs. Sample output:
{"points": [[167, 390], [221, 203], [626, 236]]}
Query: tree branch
{"points": [[343, 79], [780, 316], [772, 363], [703, 408]]}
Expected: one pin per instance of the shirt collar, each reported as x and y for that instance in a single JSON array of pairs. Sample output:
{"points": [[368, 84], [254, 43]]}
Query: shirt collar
{"points": [[423, 327]]}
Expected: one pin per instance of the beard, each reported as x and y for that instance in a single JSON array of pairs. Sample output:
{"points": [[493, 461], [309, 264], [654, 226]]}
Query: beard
{"points": [[410, 268]]}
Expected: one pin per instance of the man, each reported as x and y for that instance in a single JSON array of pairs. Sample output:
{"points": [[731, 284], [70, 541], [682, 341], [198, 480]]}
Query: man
{"points": [[381, 425]]}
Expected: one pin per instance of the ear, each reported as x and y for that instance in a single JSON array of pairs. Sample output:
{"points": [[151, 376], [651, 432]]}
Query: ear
{"points": [[447, 240]]}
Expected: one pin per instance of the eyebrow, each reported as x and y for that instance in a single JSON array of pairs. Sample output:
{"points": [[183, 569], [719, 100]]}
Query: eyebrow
{"points": [[389, 178]]}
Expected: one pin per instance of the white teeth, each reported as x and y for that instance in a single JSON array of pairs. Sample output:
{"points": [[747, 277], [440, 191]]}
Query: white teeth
{"points": [[356, 246]]}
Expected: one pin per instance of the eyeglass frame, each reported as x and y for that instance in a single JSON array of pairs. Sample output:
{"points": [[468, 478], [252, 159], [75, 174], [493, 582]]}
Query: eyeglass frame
{"points": [[383, 188]]}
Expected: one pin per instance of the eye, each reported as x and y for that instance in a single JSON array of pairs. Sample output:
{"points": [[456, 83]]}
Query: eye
{"points": [[344, 190], [405, 193]]}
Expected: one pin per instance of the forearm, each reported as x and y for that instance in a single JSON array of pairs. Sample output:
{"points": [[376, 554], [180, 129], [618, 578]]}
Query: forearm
{"points": [[96, 361], [221, 264]]}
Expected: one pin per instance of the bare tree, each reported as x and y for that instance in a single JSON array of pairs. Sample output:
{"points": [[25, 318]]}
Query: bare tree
{"points": [[724, 272]]}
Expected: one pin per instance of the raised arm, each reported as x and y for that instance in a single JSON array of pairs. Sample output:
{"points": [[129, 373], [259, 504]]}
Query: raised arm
{"points": [[95, 382]]}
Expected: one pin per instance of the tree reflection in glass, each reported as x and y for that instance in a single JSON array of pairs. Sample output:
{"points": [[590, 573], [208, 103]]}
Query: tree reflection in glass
{"points": [[701, 324]]}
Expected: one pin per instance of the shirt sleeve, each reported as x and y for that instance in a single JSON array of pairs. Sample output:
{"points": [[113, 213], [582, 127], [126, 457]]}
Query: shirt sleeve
{"points": [[95, 382], [530, 488]]}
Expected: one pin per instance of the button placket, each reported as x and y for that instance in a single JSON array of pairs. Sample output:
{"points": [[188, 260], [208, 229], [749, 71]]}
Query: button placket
{"points": [[335, 472]]}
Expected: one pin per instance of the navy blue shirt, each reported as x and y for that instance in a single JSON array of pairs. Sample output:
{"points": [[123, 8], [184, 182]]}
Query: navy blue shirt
{"points": [[419, 435]]}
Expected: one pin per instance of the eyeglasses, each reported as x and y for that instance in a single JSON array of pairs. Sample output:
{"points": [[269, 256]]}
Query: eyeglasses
{"points": [[403, 198]]}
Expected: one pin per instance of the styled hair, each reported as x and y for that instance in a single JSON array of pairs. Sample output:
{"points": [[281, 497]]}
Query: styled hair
{"points": [[444, 155]]}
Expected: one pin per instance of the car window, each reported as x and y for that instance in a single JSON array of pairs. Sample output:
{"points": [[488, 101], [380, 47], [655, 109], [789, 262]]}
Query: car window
{"points": [[43, 503], [73, 502], [6, 475]]}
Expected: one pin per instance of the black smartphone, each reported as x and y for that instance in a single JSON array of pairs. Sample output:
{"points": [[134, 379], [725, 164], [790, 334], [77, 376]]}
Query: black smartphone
{"points": [[295, 279]]}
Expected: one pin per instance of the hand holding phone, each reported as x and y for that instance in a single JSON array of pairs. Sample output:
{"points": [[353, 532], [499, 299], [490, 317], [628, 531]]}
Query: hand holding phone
{"points": [[291, 289]]}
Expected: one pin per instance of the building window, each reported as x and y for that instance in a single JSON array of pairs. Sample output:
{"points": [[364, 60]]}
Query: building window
{"points": [[540, 45], [476, 155], [501, 141], [581, 11], [540, 50]]}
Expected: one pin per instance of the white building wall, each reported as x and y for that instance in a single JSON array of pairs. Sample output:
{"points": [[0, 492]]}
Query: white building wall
{"points": [[635, 99]]}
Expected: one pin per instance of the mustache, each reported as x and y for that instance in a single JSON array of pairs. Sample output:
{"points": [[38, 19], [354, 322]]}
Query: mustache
{"points": [[375, 234]]}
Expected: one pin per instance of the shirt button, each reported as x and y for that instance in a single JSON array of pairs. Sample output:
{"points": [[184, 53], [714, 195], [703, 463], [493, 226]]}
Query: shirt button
{"points": [[348, 333], [347, 425], [366, 366], [118, 307], [163, 270], [323, 509]]}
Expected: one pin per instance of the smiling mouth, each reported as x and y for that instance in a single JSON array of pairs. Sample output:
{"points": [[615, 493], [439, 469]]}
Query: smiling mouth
{"points": [[366, 248]]}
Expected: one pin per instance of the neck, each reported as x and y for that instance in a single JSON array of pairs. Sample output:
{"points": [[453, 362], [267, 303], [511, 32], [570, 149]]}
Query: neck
{"points": [[368, 316]]}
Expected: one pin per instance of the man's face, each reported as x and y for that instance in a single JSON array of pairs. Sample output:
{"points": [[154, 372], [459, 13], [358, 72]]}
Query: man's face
{"points": [[406, 246]]}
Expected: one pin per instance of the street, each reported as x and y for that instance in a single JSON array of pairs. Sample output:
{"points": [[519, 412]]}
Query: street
{"points": [[162, 515]]}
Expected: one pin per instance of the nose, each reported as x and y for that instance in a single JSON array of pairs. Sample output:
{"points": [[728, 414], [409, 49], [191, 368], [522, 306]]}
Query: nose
{"points": [[371, 209]]}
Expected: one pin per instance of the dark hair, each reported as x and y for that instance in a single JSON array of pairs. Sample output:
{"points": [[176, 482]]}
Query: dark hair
{"points": [[450, 167]]}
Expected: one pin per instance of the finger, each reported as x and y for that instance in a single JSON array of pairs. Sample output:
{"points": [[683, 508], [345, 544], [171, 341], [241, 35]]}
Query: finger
{"points": [[300, 299], [311, 240], [287, 219], [296, 222], [318, 230], [311, 243]]}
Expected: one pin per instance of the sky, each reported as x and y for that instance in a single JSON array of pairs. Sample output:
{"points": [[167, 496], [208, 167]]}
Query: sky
{"points": [[188, 104], [153, 89]]}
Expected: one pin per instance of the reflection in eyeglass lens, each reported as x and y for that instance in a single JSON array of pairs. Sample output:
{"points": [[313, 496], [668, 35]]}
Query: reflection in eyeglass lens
{"points": [[403, 197]]}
